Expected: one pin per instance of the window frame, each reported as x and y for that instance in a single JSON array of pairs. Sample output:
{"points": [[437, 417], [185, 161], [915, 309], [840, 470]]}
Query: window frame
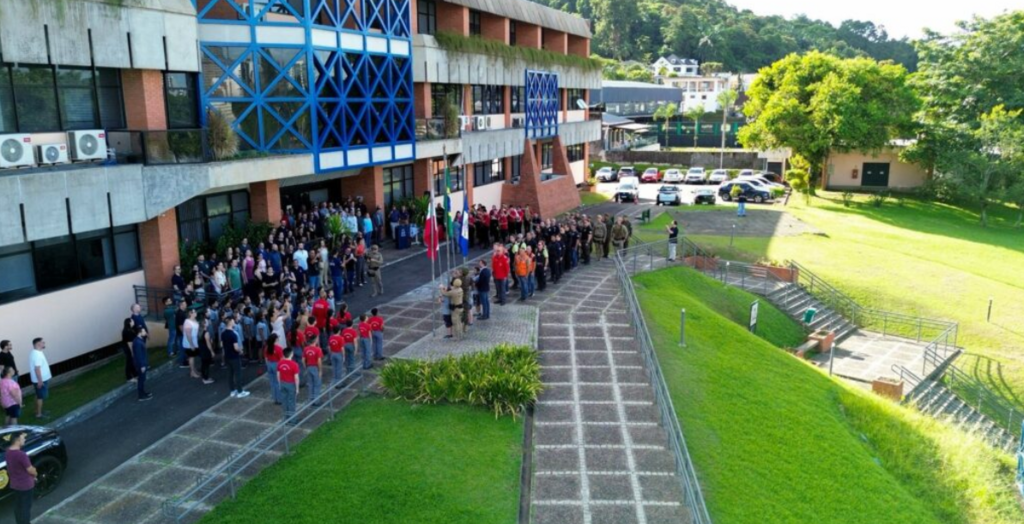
{"points": [[491, 99], [437, 173], [426, 15], [202, 223], [405, 182], [191, 86], [512, 32], [475, 23], [488, 172], [54, 87]]}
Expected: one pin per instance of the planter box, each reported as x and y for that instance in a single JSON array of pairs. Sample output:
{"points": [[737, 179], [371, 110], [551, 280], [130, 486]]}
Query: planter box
{"points": [[889, 388], [702, 263], [825, 340], [784, 274]]}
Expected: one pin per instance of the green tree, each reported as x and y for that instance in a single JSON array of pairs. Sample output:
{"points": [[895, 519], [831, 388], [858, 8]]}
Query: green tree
{"points": [[799, 181], [711, 68], [695, 113], [666, 112], [817, 104], [726, 99], [615, 22]]}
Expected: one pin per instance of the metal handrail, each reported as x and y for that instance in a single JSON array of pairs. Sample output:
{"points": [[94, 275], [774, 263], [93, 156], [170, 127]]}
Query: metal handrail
{"points": [[182, 505], [694, 498], [976, 395]]}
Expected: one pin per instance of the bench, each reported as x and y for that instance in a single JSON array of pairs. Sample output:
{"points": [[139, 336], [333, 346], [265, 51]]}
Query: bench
{"points": [[805, 348]]}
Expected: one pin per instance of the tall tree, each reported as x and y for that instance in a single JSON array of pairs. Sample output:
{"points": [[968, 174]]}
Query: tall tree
{"points": [[695, 113], [615, 23], [666, 112], [726, 99], [816, 104]]}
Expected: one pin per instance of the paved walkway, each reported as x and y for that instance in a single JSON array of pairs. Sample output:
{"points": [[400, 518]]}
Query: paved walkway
{"points": [[600, 453]]}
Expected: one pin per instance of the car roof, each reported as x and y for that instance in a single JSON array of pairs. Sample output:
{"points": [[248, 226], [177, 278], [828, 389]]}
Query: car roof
{"points": [[669, 188]]}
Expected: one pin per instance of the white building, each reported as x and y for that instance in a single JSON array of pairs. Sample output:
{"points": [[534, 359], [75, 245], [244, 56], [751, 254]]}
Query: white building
{"points": [[676, 66], [701, 90]]}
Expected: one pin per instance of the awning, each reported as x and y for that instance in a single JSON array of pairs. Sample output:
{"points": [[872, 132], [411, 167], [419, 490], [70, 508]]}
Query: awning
{"points": [[609, 119], [637, 128]]}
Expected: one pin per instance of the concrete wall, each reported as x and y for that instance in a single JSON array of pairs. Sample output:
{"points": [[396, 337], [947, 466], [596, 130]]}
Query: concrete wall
{"points": [[435, 65], [579, 171], [489, 195], [128, 36], [77, 320], [901, 174], [745, 160]]}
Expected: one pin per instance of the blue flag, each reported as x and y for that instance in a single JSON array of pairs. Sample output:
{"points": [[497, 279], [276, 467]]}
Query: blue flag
{"points": [[464, 235]]}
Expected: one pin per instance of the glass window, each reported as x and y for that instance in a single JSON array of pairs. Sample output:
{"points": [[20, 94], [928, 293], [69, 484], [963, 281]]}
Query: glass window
{"points": [[182, 101], [518, 99], [575, 153], [426, 13], [511, 32], [397, 184], [203, 219], [77, 95], [55, 263], [126, 249], [110, 98], [488, 172], [35, 99], [517, 165], [474, 23], [95, 251], [438, 92], [455, 177], [488, 100], [8, 122], [547, 156], [19, 275]]}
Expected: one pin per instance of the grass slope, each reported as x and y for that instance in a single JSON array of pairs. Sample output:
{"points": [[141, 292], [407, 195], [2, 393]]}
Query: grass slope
{"points": [[385, 461], [921, 258], [774, 440]]}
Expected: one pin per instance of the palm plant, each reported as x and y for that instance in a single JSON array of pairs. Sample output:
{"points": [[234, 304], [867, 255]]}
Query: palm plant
{"points": [[695, 113], [725, 101]]}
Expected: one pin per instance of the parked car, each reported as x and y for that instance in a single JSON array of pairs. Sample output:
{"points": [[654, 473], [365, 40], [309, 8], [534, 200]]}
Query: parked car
{"points": [[695, 175], [605, 174], [628, 190], [760, 179], [774, 178], [651, 174], [46, 450], [745, 172], [669, 196], [625, 171], [754, 192], [704, 195], [673, 176], [718, 176]]}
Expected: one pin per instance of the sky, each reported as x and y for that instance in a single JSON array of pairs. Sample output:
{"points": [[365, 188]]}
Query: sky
{"points": [[900, 17]]}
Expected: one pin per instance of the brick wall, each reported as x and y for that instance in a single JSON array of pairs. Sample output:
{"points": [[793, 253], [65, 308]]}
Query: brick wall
{"points": [[265, 201], [159, 239], [452, 18], [494, 27], [144, 99], [369, 184], [528, 35], [421, 176], [421, 99], [555, 41], [579, 46], [549, 198]]}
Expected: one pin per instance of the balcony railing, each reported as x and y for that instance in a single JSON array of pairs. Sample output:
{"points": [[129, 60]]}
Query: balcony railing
{"points": [[157, 148]]}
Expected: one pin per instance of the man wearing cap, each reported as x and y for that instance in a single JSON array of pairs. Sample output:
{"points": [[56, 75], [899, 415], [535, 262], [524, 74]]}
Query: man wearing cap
{"points": [[377, 331], [601, 237], [375, 265]]}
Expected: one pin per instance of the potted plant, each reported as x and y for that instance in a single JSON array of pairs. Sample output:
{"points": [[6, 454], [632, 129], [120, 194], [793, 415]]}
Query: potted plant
{"points": [[589, 185], [780, 270]]}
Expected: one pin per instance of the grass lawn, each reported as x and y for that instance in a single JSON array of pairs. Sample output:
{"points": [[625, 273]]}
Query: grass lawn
{"points": [[926, 259], [589, 199], [387, 461], [774, 440], [80, 390]]}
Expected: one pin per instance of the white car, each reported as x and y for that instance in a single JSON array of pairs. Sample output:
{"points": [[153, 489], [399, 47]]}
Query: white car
{"points": [[672, 176], [760, 180], [669, 196], [746, 173], [718, 176], [628, 190], [695, 176], [605, 174]]}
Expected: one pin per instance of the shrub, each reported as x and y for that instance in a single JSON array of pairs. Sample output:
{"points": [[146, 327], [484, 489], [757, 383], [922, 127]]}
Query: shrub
{"points": [[901, 200], [800, 181], [878, 199], [733, 173], [506, 379], [778, 191], [847, 199]]}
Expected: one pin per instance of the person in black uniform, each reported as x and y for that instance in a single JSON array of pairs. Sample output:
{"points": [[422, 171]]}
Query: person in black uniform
{"points": [[574, 246], [556, 251], [542, 263], [586, 236]]}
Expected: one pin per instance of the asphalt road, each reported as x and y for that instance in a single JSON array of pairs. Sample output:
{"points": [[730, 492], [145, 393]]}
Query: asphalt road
{"points": [[101, 443]]}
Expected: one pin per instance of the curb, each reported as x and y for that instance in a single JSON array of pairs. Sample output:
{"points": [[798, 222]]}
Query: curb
{"points": [[526, 470], [94, 407]]}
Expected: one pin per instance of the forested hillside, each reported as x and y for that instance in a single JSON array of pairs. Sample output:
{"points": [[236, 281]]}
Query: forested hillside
{"points": [[713, 30]]}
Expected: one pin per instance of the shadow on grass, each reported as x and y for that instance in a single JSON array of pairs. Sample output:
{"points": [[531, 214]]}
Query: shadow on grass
{"points": [[939, 219], [989, 373]]}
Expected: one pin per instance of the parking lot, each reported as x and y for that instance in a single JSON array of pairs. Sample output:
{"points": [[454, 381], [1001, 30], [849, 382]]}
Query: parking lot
{"points": [[649, 191]]}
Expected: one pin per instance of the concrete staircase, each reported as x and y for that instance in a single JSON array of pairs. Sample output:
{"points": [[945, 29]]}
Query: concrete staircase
{"points": [[794, 300], [936, 400]]}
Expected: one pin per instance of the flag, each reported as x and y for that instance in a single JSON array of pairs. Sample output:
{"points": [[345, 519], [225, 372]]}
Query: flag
{"points": [[464, 236], [449, 227], [430, 228]]}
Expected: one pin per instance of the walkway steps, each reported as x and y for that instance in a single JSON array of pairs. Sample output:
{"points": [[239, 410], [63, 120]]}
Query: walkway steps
{"points": [[938, 401]]}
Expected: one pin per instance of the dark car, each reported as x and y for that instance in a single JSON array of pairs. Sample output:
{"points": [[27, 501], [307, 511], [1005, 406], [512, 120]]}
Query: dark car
{"points": [[750, 191], [46, 449], [704, 196], [774, 177]]}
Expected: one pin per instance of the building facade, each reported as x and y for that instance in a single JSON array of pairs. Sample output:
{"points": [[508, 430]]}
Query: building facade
{"points": [[675, 66], [179, 117]]}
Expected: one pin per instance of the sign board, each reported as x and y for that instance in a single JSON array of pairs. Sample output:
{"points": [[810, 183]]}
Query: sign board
{"points": [[753, 316]]}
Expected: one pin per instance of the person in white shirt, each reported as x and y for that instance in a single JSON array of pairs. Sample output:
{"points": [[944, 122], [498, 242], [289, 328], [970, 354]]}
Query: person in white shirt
{"points": [[39, 372], [302, 257]]}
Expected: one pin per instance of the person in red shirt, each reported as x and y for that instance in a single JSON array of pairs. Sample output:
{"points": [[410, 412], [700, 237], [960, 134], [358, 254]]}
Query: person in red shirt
{"points": [[336, 344], [343, 314], [350, 337], [377, 332], [365, 334], [500, 268], [321, 312], [312, 333], [313, 356], [274, 354], [503, 225], [288, 375]]}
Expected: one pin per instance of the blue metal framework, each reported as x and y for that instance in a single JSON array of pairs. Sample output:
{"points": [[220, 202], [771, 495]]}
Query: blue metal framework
{"points": [[328, 77], [542, 104]]}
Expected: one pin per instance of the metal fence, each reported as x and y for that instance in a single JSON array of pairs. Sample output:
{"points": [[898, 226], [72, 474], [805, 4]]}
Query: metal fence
{"points": [[694, 499], [276, 438]]}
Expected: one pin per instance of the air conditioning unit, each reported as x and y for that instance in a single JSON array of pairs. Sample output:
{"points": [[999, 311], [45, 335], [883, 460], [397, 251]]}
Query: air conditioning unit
{"points": [[481, 123], [52, 154], [16, 151], [464, 122], [518, 122], [88, 145]]}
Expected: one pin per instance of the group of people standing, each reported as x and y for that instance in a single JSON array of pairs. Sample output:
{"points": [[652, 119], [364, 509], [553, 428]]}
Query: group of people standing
{"points": [[542, 252], [11, 398]]}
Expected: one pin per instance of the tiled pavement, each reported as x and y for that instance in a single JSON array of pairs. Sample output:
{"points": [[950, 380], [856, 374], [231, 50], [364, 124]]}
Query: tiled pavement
{"points": [[134, 492], [600, 453]]}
